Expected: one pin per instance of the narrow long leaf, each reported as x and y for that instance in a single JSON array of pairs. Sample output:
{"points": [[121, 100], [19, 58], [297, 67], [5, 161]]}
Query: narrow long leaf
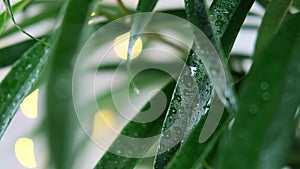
{"points": [[61, 117], [265, 118], [227, 18], [197, 14], [4, 17], [11, 54], [191, 144], [135, 130], [20, 82], [146, 5], [274, 15]]}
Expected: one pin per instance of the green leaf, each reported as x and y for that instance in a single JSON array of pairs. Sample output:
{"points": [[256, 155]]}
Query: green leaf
{"points": [[20, 81], [135, 130], [186, 156], [189, 144], [183, 113], [265, 118], [48, 12], [4, 17], [227, 18], [11, 54], [146, 5], [60, 113], [296, 3], [274, 15]]}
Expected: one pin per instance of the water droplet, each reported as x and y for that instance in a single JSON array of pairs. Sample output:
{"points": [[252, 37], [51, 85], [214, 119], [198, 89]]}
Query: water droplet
{"points": [[28, 66], [177, 130], [266, 96], [193, 70], [119, 152], [8, 96], [167, 134], [290, 79], [264, 85], [253, 109], [161, 146]]}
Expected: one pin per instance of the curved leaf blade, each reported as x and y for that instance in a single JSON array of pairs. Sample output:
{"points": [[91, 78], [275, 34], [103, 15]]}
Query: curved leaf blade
{"points": [[20, 81], [265, 118], [136, 130], [227, 18]]}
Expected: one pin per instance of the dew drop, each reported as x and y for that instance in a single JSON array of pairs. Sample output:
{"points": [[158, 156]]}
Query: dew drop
{"points": [[264, 85], [167, 134], [253, 109], [266, 96]]}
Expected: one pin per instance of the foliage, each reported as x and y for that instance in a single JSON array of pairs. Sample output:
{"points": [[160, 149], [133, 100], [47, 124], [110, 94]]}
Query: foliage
{"points": [[257, 129]]}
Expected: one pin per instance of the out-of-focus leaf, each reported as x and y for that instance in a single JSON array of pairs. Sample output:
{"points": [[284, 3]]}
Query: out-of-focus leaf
{"points": [[11, 54], [296, 3], [274, 15], [20, 81], [146, 5], [227, 18], [135, 130], [4, 17], [177, 12], [60, 114], [265, 118], [47, 13]]}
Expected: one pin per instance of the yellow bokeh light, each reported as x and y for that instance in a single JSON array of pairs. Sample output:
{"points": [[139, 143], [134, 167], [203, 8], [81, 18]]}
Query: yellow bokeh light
{"points": [[103, 120], [121, 46], [29, 106], [24, 150]]}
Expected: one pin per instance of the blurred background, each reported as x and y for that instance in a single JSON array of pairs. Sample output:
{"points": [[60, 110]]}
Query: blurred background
{"points": [[24, 144]]}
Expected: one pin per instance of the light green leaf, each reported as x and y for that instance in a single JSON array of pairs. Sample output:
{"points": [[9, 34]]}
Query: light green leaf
{"points": [[4, 16]]}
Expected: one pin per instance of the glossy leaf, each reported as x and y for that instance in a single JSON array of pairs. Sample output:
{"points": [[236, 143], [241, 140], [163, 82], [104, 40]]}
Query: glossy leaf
{"points": [[20, 82], [197, 89], [265, 117], [227, 18], [274, 15], [187, 146], [60, 113], [135, 130]]}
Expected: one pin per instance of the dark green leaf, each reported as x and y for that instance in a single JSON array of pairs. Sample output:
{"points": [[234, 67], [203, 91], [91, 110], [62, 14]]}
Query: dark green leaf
{"points": [[60, 114], [227, 18], [11, 54], [135, 130], [265, 118], [20, 81], [274, 15], [146, 5]]}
